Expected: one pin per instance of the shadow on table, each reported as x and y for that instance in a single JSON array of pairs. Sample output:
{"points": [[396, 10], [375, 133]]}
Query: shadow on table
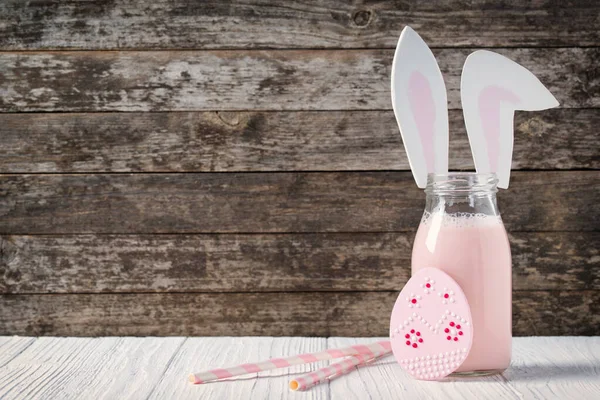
{"points": [[548, 372], [532, 372]]}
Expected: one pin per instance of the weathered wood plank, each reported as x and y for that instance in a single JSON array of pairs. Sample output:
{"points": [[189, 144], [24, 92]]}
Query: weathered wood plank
{"points": [[12, 347], [166, 24], [257, 263], [556, 313], [50, 355], [251, 80], [277, 314], [272, 202], [269, 141], [85, 368], [560, 368], [541, 368]]}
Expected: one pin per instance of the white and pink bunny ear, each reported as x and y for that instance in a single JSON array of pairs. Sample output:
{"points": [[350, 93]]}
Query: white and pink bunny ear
{"points": [[420, 105], [492, 87]]}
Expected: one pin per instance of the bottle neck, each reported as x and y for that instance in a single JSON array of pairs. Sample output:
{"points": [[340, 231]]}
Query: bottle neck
{"points": [[462, 193]]}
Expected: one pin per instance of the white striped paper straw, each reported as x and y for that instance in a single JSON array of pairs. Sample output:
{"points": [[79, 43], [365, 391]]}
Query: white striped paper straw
{"points": [[224, 373], [334, 370]]}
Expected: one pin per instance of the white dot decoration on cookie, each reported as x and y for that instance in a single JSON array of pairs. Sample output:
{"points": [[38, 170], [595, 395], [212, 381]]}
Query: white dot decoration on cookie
{"points": [[406, 323], [447, 296], [428, 285], [427, 370], [414, 301]]}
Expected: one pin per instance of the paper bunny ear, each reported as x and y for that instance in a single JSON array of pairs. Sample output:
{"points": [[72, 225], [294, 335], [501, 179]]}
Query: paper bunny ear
{"points": [[420, 105], [492, 87]]}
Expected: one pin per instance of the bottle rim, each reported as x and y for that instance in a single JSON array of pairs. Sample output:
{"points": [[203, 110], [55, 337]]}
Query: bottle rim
{"points": [[461, 183]]}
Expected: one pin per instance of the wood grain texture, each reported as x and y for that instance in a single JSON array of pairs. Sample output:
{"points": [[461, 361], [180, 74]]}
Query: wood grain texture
{"points": [[86, 368], [166, 24], [11, 347], [272, 202], [155, 368], [150, 368], [269, 141], [562, 368], [256, 80], [266, 263], [277, 314]]}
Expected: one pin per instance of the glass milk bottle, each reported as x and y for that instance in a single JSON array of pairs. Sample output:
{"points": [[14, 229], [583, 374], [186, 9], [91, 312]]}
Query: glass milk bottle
{"points": [[461, 233]]}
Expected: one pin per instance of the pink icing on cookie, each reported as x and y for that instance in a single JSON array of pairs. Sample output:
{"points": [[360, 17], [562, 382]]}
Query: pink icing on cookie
{"points": [[431, 329]]}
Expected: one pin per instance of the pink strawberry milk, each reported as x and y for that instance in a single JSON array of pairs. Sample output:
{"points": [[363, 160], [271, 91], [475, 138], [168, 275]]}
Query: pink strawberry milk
{"points": [[462, 234]]}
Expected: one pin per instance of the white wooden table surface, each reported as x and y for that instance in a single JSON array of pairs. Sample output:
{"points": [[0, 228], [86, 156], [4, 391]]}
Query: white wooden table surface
{"points": [[157, 368]]}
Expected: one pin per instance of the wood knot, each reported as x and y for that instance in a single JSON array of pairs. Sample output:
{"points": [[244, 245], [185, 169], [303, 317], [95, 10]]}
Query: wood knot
{"points": [[533, 127], [8, 251], [362, 17], [232, 119]]}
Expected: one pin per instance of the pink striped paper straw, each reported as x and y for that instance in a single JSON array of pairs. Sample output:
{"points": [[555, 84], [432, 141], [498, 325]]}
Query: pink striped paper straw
{"points": [[334, 370], [223, 373]]}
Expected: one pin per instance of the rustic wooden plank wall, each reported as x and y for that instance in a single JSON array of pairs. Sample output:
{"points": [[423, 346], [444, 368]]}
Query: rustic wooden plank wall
{"points": [[231, 167]]}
